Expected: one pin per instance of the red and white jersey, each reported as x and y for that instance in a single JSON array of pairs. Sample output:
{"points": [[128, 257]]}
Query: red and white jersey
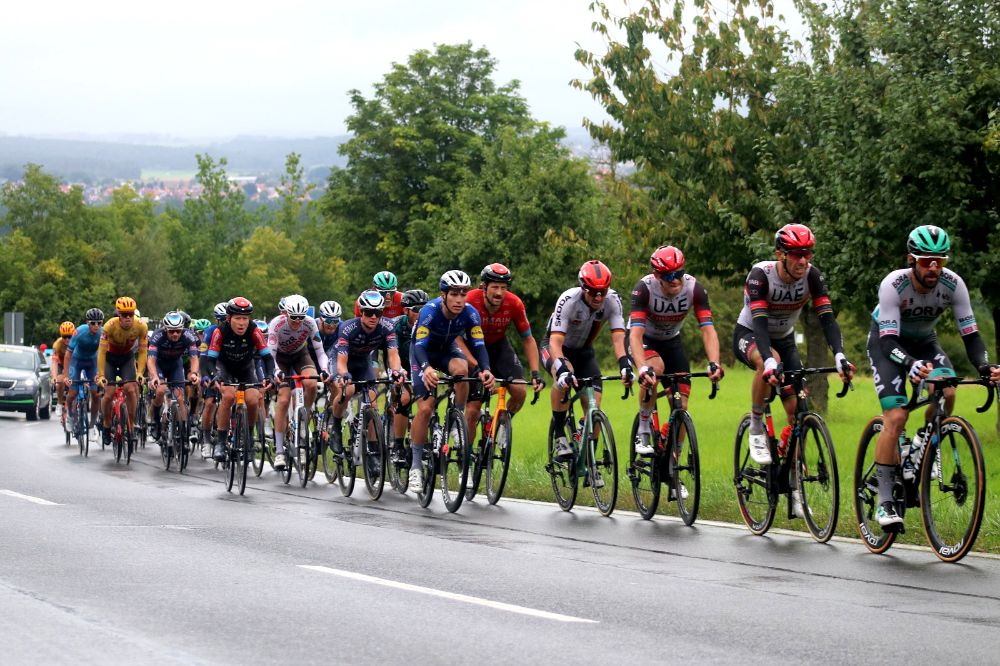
{"points": [[661, 315], [767, 295], [283, 339], [495, 325]]}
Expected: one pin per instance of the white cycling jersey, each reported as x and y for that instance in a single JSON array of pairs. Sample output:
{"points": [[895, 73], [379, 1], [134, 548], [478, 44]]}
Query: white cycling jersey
{"points": [[905, 312], [574, 318], [282, 339]]}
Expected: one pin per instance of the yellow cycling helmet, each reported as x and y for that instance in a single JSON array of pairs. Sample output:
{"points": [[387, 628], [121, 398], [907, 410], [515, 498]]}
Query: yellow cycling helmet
{"points": [[66, 328], [125, 305]]}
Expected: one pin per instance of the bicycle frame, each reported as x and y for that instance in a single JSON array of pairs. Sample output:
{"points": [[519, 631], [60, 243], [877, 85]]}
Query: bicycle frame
{"points": [[585, 391]]}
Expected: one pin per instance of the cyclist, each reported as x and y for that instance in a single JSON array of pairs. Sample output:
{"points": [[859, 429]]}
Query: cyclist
{"points": [[327, 322], [209, 395], [288, 336], [122, 353], [167, 348], [81, 357], [230, 358], [902, 343], [764, 338], [660, 303], [498, 309], [568, 349], [58, 368], [412, 301], [434, 348], [357, 340], [385, 283]]}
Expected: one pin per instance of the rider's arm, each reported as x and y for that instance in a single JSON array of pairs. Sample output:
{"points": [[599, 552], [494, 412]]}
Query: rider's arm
{"points": [[212, 354], [140, 362], [703, 313], [888, 324], [824, 310], [102, 348], [192, 351], [322, 361], [757, 291], [475, 338], [965, 318], [638, 313], [421, 338]]}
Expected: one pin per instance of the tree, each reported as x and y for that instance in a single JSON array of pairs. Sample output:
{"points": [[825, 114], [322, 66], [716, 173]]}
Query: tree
{"points": [[265, 266]]}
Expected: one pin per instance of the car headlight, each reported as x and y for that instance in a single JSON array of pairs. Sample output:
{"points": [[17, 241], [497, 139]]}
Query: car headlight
{"points": [[29, 383]]}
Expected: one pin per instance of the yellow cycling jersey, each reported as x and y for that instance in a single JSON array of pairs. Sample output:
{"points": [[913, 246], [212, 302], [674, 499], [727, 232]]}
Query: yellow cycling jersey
{"points": [[59, 348], [121, 341]]}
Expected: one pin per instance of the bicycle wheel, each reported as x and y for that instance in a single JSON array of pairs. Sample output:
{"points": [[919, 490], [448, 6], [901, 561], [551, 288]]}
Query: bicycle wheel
{"points": [[398, 462], [301, 449], [167, 443], [866, 491], [756, 499], [428, 466], [80, 427], [643, 475], [477, 456], [181, 442], [330, 459], [346, 470], [259, 456], [229, 467], [140, 427], [454, 460], [818, 481], [373, 454], [242, 449], [603, 464], [685, 468], [562, 473], [498, 458], [953, 489]]}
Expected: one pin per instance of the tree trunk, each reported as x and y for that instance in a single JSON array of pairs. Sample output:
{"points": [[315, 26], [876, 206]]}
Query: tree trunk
{"points": [[996, 348], [817, 356]]}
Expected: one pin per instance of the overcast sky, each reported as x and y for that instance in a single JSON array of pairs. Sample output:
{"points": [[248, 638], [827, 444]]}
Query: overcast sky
{"points": [[217, 68]]}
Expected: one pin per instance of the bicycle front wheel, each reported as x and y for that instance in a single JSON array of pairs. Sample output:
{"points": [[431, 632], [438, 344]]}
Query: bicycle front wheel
{"points": [[866, 491], [373, 454], [498, 458], [603, 465], [242, 448], [141, 420], [346, 470], [643, 475], [818, 481], [454, 460], [301, 449], [167, 444], [81, 427], [757, 500], [259, 457], [685, 467], [477, 456], [562, 473], [953, 489]]}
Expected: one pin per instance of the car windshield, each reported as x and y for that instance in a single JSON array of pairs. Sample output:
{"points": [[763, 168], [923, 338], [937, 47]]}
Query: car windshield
{"points": [[17, 359]]}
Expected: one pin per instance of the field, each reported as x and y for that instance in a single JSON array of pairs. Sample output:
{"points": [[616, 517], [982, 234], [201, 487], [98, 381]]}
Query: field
{"points": [[716, 423]]}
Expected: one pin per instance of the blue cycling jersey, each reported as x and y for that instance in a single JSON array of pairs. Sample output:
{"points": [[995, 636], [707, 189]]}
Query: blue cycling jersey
{"points": [[355, 342], [84, 343], [206, 338], [329, 339], [163, 348], [436, 331]]}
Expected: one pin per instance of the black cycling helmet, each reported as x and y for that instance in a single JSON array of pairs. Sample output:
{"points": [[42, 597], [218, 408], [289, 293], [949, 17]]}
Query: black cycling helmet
{"points": [[495, 273], [414, 298], [239, 306], [94, 314]]}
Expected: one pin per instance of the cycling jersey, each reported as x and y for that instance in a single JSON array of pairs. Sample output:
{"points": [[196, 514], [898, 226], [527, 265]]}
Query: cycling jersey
{"points": [[435, 333], [119, 341], [905, 312], [236, 353], [393, 308], [207, 338], [83, 347], [355, 342], [579, 323], [511, 311], [660, 315], [162, 348], [404, 334], [283, 339], [59, 348], [329, 340]]}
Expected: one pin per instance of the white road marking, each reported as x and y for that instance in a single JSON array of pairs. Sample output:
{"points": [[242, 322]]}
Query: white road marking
{"points": [[499, 605], [29, 498]]}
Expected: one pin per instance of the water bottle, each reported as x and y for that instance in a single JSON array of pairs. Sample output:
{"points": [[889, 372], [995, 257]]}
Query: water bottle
{"points": [[909, 472], [917, 448], [437, 437]]}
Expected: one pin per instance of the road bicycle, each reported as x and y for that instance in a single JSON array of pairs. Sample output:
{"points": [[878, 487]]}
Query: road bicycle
{"points": [[674, 460], [363, 441], [950, 491], [298, 451], [597, 462], [173, 438], [239, 448], [263, 437], [80, 421], [122, 436], [492, 455], [447, 455], [805, 464], [141, 425], [397, 459]]}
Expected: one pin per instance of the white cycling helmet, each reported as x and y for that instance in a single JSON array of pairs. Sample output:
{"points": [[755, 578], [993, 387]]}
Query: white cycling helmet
{"points": [[296, 306], [220, 310], [371, 300], [455, 280], [330, 310]]}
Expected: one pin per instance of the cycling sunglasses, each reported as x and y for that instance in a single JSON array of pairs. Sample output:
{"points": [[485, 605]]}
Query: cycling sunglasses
{"points": [[368, 312], [330, 321], [297, 317], [799, 255], [931, 262], [596, 292], [671, 276], [95, 323]]}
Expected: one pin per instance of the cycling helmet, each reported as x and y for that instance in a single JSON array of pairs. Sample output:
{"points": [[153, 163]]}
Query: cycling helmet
{"points": [[330, 310], [385, 281], [201, 324], [496, 273], [667, 259], [220, 310], [296, 306], [66, 328], [261, 324], [239, 306], [138, 315], [414, 298], [928, 240], [94, 314], [595, 275], [186, 317], [455, 280], [281, 304], [794, 237], [125, 305], [174, 321], [371, 300]]}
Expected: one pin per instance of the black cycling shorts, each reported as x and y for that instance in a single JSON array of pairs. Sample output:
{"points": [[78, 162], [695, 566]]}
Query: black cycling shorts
{"points": [[246, 374], [120, 366], [671, 351], [583, 361], [744, 343], [891, 378]]}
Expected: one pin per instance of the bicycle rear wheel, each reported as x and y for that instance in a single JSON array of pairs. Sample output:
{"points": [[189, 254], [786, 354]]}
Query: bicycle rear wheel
{"points": [[685, 467], [428, 466], [259, 456], [81, 428], [953, 489], [643, 475], [477, 456], [562, 473], [498, 458], [242, 451], [181, 442], [866, 491], [603, 465], [229, 467], [373, 454], [346, 470], [818, 481], [301, 450], [398, 464], [455, 458], [167, 444], [141, 427], [757, 500]]}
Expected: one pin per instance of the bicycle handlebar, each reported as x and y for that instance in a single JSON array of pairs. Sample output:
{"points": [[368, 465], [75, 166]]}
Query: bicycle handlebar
{"points": [[803, 372], [683, 375], [942, 383]]}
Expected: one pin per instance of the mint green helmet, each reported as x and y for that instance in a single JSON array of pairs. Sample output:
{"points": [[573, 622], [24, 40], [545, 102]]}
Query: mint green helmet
{"points": [[928, 240], [384, 281]]}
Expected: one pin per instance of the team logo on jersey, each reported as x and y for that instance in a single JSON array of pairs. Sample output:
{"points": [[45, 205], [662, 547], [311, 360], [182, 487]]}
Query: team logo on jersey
{"points": [[422, 332], [477, 332]]}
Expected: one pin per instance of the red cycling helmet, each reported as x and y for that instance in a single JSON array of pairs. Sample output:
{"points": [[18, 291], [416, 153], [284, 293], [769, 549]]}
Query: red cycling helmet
{"points": [[794, 237], [495, 273], [239, 306], [667, 259], [595, 275]]}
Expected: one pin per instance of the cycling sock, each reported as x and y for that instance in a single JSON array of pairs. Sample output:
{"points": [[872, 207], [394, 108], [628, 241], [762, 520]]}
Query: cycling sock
{"points": [[886, 475], [418, 454], [279, 442], [559, 423], [644, 415], [757, 419]]}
